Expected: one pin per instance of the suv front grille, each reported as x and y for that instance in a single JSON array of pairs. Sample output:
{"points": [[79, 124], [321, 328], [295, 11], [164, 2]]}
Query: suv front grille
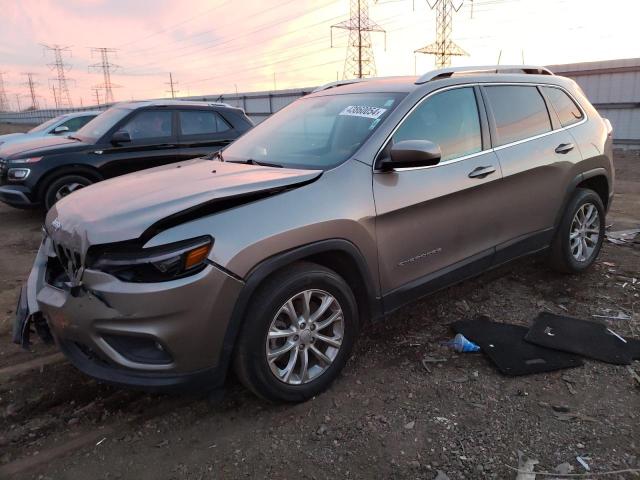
{"points": [[70, 260]]}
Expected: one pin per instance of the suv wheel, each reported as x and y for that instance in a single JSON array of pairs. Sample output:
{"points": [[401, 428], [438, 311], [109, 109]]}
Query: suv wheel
{"points": [[581, 232], [298, 334], [62, 187]]}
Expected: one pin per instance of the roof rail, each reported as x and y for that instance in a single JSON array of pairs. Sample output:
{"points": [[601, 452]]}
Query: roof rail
{"points": [[338, 83], [221, 104], [451, 71]]}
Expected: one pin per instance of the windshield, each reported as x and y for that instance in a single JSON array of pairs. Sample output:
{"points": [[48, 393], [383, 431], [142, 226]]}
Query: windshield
{"points": [[315, 132], [44, 126], [96, 128]]}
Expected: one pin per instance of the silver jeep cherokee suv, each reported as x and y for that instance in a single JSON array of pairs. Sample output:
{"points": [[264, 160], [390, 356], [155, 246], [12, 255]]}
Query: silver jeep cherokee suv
{"points": [[336, 211]]}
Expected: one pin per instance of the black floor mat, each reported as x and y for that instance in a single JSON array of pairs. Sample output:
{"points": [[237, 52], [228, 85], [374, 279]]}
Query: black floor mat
{"points": [[504, 344], [583, 337]]}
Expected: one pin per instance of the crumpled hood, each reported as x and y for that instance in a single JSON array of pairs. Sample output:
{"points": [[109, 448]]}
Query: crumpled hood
{"points": [[123, 208]]}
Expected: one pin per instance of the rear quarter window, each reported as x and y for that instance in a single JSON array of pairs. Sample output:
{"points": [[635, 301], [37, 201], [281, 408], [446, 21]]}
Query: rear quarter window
{"points": [[519, 112], [566, 109]]}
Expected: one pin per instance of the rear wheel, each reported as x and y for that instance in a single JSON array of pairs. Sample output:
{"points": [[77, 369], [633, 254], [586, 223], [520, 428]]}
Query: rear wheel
{"points": [[298, 334], [581, 232], [63, 187]]}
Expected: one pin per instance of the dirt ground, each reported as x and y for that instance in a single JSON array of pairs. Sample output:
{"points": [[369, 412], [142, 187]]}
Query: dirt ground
{"points": [[389, 415]]}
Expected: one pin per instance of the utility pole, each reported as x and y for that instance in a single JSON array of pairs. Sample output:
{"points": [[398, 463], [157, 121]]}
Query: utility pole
{"points": [[97, 93], [4, 101], [32, 90], [360, 61], [106, 67], [64, 97], [443, 48], [172, 85]]}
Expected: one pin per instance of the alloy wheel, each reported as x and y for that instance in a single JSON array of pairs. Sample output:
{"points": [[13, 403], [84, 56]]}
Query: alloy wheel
{"points": [[305, 337], [584, 233]]}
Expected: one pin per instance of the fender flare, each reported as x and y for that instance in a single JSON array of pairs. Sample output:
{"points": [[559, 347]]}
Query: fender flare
{"points": [[571, 187], [270, 265]]}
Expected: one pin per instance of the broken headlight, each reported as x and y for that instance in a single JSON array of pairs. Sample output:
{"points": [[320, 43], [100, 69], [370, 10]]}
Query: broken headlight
{"points": [[155, 264]]}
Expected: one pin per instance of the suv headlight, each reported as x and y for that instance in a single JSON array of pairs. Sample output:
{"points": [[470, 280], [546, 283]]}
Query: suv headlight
{"points": [[26, 160], [156, 264]]}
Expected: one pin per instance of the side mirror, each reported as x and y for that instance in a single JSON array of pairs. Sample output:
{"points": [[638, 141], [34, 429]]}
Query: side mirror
{"points": [[60, 129], [121, 136], [412, 153]]}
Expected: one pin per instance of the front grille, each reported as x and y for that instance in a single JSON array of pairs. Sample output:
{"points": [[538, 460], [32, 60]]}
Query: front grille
{"points": [[70, 260]]}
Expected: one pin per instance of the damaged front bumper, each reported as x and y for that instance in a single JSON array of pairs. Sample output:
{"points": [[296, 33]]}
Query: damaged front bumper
{"points": [[27, 311], [148, 335]]}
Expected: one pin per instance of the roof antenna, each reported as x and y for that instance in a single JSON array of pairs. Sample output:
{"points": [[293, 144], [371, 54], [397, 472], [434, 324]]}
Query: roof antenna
{"points": [[498, 63]]}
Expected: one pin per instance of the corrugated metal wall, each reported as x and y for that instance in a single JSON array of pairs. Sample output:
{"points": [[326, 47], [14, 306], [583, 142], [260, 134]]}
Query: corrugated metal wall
{"points": [[613, 87], [257, 105]]}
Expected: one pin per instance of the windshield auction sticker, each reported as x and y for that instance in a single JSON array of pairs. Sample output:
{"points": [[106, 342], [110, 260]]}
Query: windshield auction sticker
{"points": [[363, 111]]}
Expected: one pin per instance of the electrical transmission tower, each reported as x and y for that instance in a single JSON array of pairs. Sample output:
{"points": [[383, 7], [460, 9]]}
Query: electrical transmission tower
{"points": [[32, 90], [360, 62], [4, 101], [96, 91], [63, 98], [106, 67], [172, 90], [443, 48]]}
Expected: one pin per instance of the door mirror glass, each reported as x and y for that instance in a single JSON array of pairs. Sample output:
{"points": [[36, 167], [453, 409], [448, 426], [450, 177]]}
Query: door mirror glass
{"points": [[120, 136], [60, 129], [412, 153]]}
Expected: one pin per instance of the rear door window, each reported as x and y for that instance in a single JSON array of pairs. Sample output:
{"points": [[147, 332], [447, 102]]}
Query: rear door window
{"points": [[449, 119], [202, 122], [519, 112], [567, 110]]}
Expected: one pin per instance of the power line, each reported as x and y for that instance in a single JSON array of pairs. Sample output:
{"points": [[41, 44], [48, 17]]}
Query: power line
{"points": [[4, 101], [32, 90], [106, 66], [64, 97], [172, 90], [360, 61], [443, 48]]}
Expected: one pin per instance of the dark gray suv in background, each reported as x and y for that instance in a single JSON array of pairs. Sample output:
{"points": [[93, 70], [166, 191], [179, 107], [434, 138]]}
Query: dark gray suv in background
{"points": [[336, 211]]}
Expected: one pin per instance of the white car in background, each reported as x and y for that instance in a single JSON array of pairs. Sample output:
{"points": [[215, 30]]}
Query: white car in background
{"points": [[61, 125]]}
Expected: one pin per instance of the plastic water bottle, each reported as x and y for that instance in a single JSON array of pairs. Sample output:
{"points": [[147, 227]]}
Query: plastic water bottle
{"points": [[461, 344]]}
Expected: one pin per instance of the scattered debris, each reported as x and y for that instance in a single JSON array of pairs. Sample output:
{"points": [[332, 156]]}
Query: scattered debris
{"points": [[624, 237], [103, 439], [410, 425], [526, 467], [621, 315], [584, 464], [564, 468], [441, 476], [461, 344]]}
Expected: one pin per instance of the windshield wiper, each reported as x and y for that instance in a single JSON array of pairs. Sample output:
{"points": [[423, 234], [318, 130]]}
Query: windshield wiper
{"points": [[251, 161], [73, 138]]}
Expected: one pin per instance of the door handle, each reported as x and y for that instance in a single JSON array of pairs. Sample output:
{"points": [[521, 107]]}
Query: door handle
{"points": [[564, 148], [482, 172]]}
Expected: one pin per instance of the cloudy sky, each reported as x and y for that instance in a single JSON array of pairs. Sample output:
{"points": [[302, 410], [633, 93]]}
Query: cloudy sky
{"points": [[218, 46]]}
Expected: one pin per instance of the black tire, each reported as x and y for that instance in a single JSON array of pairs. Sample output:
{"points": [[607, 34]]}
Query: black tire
{"points": [[250, 356], [51, 192], [561, 257]]}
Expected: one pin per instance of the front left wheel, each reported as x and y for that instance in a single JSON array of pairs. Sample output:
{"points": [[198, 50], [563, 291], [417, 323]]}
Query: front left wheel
{"points": [[62, 187], [298, 334]]}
